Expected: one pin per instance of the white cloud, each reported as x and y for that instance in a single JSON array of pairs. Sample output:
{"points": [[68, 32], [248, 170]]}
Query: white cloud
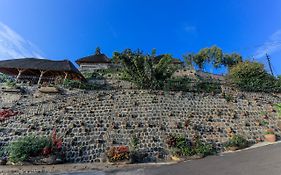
{"points": [[273, 44], [12, 45]]}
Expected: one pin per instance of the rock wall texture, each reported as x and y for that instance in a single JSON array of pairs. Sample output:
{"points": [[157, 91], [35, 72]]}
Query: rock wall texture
{"points": [[91, 121]]}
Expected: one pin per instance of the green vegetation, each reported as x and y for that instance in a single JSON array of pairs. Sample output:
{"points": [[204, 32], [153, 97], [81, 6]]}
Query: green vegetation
{"points": [[228, 97], [278, 109], [79, 85], [190, 85], [144, 70], [3, 78], [101, 74], [237, 141], [251, 76], [264, 123], [26, 147], [32, 146], [213, 55], [269, 131], [180, 146]]}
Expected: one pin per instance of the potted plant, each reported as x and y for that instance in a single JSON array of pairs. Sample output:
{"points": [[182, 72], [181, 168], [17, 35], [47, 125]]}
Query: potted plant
{"points": [[269, 135]]}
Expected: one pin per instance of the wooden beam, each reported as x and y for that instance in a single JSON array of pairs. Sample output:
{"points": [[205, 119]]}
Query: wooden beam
{"points": [[41, 75], [19, 74], [65, 77]]}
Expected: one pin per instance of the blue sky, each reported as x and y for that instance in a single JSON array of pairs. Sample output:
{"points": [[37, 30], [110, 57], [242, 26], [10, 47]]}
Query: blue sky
{"points": [[74, 28]]}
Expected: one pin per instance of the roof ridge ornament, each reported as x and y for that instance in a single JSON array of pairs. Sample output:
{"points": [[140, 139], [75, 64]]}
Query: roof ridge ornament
{"points": [[98, 52]]}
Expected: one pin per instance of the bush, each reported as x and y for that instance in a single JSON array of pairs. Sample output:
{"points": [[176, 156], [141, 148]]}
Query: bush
{"points": [[237, 141], [32, 146], [79, 85], [251, 76], [26, 147], [189, 85], [4, 78], [203, 149], [180, 146]]}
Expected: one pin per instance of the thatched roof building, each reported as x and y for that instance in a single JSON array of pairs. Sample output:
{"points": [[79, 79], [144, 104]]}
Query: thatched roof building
{"points": [[94, 62], [40, 68]]}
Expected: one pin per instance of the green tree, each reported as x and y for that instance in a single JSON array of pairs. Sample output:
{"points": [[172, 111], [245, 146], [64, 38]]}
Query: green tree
{"points": [[230, 60], [144, 70], [213, 55], [251, 76]]}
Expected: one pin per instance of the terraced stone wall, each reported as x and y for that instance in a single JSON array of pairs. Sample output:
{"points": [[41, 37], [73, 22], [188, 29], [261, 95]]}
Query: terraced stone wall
{"points": [[91, 122]]}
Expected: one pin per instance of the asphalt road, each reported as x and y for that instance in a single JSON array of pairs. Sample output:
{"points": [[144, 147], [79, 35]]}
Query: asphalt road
{"points": [[259, 161]]}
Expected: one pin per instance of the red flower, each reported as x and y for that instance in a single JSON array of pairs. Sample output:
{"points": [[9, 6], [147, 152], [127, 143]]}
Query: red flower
{"points": [[46, 151], [57, 142]]}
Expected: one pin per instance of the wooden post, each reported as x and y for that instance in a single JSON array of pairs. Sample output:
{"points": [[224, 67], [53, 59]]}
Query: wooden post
{"points": [[41, 75], [65, 77], [19, 74]]}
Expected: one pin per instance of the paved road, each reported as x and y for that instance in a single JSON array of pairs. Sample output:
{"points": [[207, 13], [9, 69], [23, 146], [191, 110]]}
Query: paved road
{"points": [[260, 161]]}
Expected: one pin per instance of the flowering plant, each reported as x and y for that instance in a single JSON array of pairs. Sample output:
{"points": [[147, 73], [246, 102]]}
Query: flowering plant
{"points": [[56, 146], [118, 153]]}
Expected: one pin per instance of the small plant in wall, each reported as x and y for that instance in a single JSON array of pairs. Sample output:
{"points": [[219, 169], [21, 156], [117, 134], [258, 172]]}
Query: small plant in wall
{"points": [[118, 153], [269, 136], [264, 115], [228, 97], [278, 110], [236, 142], [264, 123]]}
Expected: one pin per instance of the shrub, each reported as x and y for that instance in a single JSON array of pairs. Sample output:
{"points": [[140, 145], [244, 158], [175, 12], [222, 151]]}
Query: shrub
{"points": [[251, 76], [178, 84], [204, 86], [187, 84], [180, 146], [203, 149], [32, 146], [237, 141], [79, 85], [26, 147], [4, 78]]}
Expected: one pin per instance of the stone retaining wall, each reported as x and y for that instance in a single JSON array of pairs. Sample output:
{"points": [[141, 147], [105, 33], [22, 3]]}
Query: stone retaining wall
{"points": [[90, 122]]}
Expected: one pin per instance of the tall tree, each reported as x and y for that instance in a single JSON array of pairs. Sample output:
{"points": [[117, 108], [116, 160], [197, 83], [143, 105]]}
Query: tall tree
{"points": [[213, 55]]}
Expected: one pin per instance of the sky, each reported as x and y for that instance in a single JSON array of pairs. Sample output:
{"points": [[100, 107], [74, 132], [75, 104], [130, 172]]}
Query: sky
{"points": [[71, 29]]}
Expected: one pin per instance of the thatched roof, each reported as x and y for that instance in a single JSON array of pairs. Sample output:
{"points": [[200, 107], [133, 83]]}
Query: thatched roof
{"points": [[35, 65], [96, 58]]}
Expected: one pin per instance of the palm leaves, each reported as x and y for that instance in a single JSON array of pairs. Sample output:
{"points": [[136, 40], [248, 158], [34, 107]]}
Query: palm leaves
{"points": [[144, 70]]}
